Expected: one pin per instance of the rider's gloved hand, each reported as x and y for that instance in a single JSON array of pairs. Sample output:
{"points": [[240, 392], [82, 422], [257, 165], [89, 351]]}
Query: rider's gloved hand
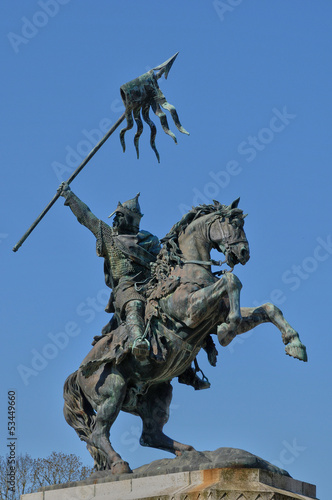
{"points": [[64, 189]]}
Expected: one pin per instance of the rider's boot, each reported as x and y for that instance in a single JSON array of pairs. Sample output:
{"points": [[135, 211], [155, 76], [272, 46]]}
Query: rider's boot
{"points": [[190, 377], [135, 325]]}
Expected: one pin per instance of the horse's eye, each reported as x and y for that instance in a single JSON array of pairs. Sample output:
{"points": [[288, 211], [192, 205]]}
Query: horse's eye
{"points": [[237, 223]]}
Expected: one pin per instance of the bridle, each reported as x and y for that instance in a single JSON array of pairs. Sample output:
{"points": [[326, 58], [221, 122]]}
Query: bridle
{"points": [[228, 239]]}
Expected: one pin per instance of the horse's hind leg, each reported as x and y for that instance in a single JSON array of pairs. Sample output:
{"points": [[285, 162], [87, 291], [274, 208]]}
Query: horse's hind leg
{"points": [[153, 408], [110, 398], [254, 316]]}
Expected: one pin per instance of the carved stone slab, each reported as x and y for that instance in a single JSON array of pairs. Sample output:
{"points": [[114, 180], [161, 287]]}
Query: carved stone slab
{"points": [[211, 484], [228, 483]]}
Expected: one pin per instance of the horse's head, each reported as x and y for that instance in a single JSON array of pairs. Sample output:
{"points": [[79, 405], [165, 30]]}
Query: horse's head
{"points": [[227, 235]]}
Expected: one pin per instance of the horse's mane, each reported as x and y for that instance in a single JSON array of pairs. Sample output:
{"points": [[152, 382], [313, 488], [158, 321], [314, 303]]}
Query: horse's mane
{"points": [[193, 214], [170, 255]]}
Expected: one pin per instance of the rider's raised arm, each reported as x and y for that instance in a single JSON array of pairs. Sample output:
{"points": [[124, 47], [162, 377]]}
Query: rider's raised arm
{"points": [[79, 209]]}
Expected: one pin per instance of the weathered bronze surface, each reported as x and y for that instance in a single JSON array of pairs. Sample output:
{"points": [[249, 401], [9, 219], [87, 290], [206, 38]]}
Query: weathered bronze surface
{"points": [[166, 306], [141, 94]]}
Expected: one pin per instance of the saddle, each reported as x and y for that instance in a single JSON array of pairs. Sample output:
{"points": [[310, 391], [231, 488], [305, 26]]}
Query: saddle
{"points": [[115, 345]]}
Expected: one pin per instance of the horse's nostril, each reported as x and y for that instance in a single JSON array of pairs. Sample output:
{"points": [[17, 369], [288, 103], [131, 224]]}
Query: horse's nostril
{"points": [[244, 253]]}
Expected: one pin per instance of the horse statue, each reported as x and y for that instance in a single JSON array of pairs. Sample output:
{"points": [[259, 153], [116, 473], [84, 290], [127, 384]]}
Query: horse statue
{"points": [[186, 304]]}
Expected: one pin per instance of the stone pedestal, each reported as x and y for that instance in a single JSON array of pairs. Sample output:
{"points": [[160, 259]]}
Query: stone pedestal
{"points": [[228, 483]]}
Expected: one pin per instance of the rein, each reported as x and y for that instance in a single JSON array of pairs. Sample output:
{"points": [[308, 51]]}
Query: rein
{"points": [[210, 263], [228, 241], [205, 262]]}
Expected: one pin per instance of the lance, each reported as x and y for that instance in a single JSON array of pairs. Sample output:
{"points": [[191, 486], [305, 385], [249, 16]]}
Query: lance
{"points": [[138, 96]]}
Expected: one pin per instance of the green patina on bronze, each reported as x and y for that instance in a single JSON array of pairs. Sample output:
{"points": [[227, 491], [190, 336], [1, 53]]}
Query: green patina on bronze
{"points": [[138, 96], [167, 304]]}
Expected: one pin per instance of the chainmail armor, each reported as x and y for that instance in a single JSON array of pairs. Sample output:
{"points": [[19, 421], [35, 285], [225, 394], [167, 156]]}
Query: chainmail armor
{"points": [[121, 271], [121, 266]]}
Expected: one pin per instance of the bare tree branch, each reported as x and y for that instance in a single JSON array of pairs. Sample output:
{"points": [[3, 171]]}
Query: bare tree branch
{"points": [[33, 473]]}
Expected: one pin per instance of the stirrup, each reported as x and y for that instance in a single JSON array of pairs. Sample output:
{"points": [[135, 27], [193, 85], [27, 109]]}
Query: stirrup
{"points": [[141, 351], [200, 383]]}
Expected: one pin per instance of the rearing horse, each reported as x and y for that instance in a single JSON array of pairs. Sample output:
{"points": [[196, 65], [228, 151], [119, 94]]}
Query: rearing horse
{"points": [[186, 303]]}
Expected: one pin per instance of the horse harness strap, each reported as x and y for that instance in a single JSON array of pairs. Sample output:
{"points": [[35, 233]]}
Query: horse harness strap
{"points": [[210, 263], [199, 370], [229, 238], [205, 262]]}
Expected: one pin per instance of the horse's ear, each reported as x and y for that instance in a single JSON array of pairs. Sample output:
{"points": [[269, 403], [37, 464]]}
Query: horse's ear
{"points": [[234, 204], [216, 203]]}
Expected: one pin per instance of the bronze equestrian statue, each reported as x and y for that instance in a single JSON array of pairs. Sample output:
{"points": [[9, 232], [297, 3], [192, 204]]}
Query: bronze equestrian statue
{"points": [[128, 253], [183, 303]]}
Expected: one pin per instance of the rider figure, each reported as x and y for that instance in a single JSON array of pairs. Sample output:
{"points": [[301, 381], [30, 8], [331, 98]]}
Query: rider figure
{"points": [[127, 253]]}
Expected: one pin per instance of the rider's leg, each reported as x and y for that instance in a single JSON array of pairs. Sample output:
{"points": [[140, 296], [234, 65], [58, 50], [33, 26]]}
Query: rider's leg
{"points": [[134, 311]]}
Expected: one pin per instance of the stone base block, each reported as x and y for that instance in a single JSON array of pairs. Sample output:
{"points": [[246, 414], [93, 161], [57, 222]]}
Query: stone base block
{"points": [[210, 484]]}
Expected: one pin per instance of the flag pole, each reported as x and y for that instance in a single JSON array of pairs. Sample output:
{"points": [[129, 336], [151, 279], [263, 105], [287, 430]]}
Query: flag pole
{"points": [[71, 178]]}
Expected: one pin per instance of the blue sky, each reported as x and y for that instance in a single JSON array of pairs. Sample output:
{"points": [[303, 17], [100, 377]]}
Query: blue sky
{"points": [[252, 86]]}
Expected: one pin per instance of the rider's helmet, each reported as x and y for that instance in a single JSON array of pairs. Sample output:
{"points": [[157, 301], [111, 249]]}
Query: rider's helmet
{"points": [[130, 213]]}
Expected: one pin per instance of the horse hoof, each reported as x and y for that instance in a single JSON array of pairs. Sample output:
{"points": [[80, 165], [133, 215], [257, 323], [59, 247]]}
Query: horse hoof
{"points": [[121, 467], [179, 453], [297, 350], [225, 336]]}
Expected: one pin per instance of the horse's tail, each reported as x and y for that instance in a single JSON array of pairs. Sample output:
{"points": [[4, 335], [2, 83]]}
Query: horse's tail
{"points": [[79, 414], [77, 410]]}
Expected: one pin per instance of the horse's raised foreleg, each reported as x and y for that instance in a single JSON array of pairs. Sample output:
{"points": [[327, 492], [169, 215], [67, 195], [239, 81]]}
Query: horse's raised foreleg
{"points": [[203, 302], [153, 408], [110, 396], [254, 316]]}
